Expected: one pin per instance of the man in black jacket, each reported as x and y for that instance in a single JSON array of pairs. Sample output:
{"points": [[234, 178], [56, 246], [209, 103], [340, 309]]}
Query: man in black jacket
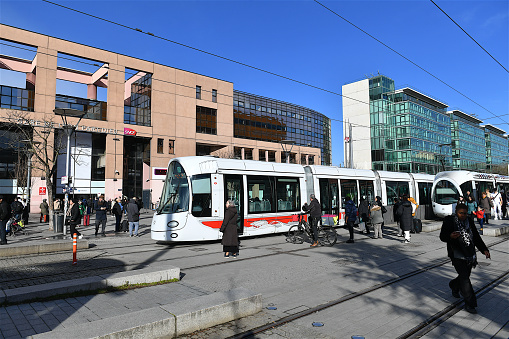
{"points": [[315, 213], [5, 214], [461, 236], [133, 217], [75, 217], [100, 208]]}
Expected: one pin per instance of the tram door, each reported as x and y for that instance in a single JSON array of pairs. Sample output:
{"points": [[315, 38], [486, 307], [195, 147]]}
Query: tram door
{"points": [[234, 190]]}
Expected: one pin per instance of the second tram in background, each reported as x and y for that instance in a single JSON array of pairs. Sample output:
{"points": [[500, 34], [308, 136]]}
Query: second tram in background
{"points": [[448, 186], [267, 195]]}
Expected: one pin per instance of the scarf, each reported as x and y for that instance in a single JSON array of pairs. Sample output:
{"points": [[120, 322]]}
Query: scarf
{"points": [[465, 241]]}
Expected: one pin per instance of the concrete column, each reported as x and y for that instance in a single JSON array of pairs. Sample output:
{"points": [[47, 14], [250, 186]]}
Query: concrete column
{"points": [[267, 156], [242, 153], [30, 81], [307, 159], [92, 91]]}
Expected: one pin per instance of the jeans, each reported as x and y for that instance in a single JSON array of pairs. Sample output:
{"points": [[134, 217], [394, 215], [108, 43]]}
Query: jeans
{"points": [[481, 222], [350, 228], [462, 282], [136, 224]]}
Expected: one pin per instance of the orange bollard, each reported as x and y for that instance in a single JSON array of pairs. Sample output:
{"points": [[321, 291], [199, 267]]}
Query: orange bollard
{"points": [[74, 248]]}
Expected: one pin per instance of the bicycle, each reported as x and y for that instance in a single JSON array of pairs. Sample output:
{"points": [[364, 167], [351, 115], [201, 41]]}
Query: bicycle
{"points": [[327, 235]]}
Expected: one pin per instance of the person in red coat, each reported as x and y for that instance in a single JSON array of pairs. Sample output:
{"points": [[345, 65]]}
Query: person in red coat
{"points": [[230, 239]]}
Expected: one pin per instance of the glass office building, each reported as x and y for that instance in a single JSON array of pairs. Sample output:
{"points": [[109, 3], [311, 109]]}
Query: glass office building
{"points": [[468, 142], [497, 151], [265, 119], [410, 131]]}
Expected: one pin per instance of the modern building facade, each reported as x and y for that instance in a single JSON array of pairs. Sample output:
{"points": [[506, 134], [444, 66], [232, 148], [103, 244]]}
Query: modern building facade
{"points": [[413, 132], [150, 114]]}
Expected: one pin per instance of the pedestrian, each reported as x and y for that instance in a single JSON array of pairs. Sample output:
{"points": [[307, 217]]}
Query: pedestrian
{"points": [[5, 214], [117, 211], [100, 215], [496, 198], [74, 217], [364, 215], [405, 217], [17, 209], [133, 217], [315, 214], [461, 236], [26, 212], [377, 220], [378, 201], [472, 207], [230, 239], [57, 205], [415, 206], [504, 203], [140, 203], [81, 207], [396, 216], [44, 210], [350, 216], [480, 216], [485, 204]]}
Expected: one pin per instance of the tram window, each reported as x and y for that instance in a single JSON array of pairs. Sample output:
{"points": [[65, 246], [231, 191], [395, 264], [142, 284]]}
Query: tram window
{"points": [[288, 194], [395, 189], [367, 190], [482, 186], [260, 193], [349, 187], [175, 195], [466, 186], [329, 196], [446, 193], [424, 193], [202, 195]]}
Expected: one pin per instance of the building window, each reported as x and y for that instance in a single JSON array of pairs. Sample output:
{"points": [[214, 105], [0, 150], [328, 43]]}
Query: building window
{"points": [[160, 146], [171, 147], [137, 106], [214, 95], [198, 92], [98, 157], [206, 120]]}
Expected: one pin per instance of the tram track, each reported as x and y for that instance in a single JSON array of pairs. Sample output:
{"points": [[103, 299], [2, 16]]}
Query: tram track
{"points": [[416, 332]]}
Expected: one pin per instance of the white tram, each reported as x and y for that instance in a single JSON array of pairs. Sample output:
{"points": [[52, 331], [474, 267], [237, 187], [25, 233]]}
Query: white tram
{"points": [[448, 186], [266, 194]]}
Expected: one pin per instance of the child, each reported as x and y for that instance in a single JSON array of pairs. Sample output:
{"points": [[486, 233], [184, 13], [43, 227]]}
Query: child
{"points": [[480, 215]]}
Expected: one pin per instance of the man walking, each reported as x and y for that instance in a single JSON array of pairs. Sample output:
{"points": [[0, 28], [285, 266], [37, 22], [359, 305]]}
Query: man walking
{"points": [[133, 217], [5, 214], [461, 236], [100, 215]]}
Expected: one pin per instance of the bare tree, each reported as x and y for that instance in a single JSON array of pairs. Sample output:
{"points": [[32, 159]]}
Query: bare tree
{"points": [[225, 153], [40, 141]]}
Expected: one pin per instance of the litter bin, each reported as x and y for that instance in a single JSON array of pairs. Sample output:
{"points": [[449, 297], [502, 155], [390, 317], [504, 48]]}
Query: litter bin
{"points": [[58, 223]]}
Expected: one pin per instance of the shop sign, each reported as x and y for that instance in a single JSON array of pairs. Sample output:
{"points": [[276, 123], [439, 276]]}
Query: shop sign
{"points": [[129, 131], [81, 128], [42, 190]]}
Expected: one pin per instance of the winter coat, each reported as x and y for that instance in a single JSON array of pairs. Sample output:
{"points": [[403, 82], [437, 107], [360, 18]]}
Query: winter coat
{"points": [[449, 226], [472, 207], [44, 208], [364, 210], [133, 213], [376, 215], [229, 227], [404, 213], [350, 210], [395, 210], [314, 209], [100, 214], [485, 204], [5, 211], [75, 215], [117, 210]]}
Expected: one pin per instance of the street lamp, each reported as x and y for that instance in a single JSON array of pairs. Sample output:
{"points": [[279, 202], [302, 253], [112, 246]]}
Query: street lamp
{"points": [[68, 129], [285, 144]]}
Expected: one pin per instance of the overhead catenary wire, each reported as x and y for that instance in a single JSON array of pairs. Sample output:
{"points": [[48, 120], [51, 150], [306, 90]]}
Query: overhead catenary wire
{"points": [[404, 57], [478, 44], [265, 71]]}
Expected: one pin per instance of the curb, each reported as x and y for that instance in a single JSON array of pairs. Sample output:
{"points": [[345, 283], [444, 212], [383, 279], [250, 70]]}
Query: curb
{"points": [[57, 246], [145, 275], [495, 231], [169, 320]]}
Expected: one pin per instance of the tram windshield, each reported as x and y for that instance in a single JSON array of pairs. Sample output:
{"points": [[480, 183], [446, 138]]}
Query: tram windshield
{"points": [[446, 193], [175, 196]]}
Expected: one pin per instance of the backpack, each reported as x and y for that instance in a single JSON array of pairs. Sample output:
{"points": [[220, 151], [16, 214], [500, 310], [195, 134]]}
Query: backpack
{"points": [[17, 207]]}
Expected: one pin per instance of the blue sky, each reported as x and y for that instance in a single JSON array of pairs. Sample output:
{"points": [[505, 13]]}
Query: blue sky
{"points": [[303, 41]]}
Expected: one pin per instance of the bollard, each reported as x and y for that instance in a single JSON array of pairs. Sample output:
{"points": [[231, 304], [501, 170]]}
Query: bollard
{"points": [[74, 248]]}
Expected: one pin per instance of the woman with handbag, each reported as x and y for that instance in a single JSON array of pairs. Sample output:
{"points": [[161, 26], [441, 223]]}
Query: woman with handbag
{"points": [[230, 239]]}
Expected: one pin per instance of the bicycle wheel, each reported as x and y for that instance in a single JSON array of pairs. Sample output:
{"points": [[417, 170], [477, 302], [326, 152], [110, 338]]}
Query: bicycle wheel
{"points": [[295, 235], [327, 236]]}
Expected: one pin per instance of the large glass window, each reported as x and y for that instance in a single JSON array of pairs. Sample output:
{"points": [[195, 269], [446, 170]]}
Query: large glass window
{"points": [[175, 195], [466, 187], [367, 189], [206, 120], [446, 193], [202, 195], [329, 196], [198, 92], [137, 108], [214, 95], [349, 187], [396, 189], [98, 157], [482, 186], [424, 193], [261, 194], [288, 194]]}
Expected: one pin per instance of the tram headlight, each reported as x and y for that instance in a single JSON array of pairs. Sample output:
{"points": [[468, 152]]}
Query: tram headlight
{"points": [[173, 224]]}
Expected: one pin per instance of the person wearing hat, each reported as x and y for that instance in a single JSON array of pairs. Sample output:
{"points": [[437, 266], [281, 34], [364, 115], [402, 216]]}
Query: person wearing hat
{"points": [[5, 214]]}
